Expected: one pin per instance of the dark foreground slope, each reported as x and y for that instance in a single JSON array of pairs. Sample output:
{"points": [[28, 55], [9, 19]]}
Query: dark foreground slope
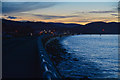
{"points": [[20, 59]]}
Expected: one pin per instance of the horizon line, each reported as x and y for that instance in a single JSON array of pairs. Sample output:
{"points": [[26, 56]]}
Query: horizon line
{"points": [[58, 22]]}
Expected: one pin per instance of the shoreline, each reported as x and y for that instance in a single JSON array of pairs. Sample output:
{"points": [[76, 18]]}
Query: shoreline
{"points": [[58, 54], [55, 49]]}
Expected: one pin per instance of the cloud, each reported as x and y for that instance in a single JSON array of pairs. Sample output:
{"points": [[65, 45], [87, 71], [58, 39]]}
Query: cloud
{"points": [[11, 7], [79, 13], [102, 12], [54, 17], [83, 21], [96, 12], [11, 17], [114, 14]]}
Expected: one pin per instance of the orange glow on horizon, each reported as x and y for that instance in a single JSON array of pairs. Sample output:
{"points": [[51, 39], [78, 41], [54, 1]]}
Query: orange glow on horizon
{"points": [[66, 21]]}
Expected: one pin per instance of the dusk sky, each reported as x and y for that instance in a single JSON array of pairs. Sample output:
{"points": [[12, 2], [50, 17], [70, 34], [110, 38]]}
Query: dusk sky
{"points": [[62, 12]]}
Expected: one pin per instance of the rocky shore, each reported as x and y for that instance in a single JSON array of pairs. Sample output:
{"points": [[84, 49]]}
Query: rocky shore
{"points": [[55, 50], [59, 54]]}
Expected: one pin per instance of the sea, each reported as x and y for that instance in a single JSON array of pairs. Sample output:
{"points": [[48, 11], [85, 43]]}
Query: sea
{"points": [[92, 56]]}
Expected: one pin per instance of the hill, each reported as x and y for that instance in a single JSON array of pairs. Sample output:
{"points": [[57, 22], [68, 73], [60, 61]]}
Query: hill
{"points": [[34, 27]]}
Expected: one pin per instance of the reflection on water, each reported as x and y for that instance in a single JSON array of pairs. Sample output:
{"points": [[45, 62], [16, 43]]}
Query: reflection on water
{"points": [[94, 56]]}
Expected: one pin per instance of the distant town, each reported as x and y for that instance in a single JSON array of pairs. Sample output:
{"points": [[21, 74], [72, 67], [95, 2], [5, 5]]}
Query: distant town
{"points": [[18, 29]]}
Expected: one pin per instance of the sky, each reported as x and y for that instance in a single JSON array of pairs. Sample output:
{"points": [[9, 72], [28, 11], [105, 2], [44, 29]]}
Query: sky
{"points": [[60, 0], [61, 12]]}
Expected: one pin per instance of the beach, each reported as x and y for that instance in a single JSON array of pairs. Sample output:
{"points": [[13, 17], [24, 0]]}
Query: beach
{"points": [[55, 50]]}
